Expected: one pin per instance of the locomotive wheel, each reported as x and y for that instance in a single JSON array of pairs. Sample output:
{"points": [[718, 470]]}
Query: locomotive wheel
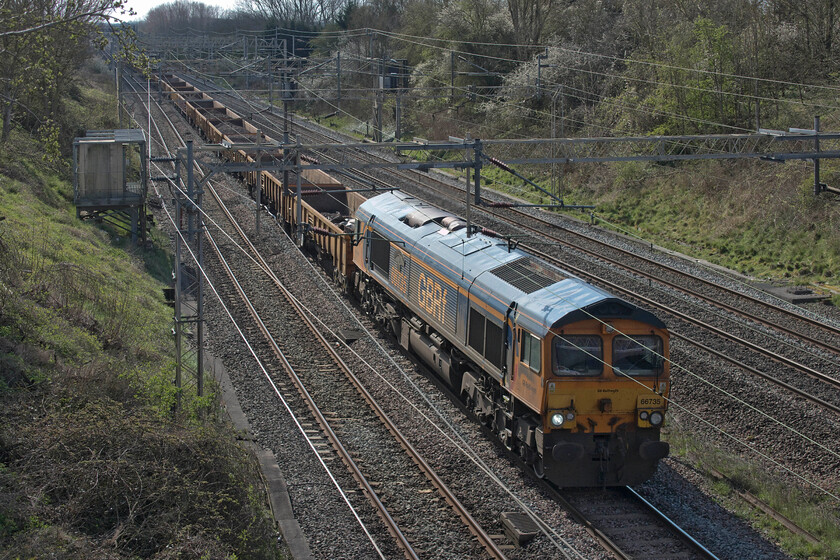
{"points": [[469, 403], [539, 468]]}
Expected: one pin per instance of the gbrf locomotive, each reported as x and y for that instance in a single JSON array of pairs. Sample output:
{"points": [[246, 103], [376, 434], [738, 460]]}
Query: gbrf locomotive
{"points": [[571, 378]]}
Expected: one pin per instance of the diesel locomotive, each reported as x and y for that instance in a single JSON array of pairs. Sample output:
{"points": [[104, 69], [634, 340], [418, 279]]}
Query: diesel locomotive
{"points": [[571, 378]]}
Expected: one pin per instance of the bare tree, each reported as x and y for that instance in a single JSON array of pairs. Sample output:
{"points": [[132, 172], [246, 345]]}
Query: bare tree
{"points": [[306, 12], [20, 18], [817, 23], [181, 15], [528, 18]]}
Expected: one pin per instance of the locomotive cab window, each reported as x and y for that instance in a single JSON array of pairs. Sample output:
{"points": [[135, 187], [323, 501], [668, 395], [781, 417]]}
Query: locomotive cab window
{"points": [[529, 350], [639, 356], [577, 355]]}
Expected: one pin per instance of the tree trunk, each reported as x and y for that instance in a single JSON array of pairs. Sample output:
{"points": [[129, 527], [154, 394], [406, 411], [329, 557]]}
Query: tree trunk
{"points": [[8, 104]]}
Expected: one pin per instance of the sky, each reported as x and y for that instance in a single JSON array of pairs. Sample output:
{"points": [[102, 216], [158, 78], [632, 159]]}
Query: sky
{"points": [[142, 7]]}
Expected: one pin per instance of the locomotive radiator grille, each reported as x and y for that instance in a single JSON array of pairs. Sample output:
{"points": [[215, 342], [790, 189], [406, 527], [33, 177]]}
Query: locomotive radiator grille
{"points": [[527, 275]]}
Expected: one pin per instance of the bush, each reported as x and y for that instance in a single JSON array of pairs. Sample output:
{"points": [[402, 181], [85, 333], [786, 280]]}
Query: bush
{"points": [[116, 473]]}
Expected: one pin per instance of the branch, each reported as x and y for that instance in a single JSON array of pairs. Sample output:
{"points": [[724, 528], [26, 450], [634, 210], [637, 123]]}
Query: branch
{"points": [[63, 21]]}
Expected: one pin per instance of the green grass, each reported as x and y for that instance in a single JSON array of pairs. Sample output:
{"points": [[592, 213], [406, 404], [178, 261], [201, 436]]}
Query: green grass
{"points": [[808, 508], [769, 227], [75, 277]]}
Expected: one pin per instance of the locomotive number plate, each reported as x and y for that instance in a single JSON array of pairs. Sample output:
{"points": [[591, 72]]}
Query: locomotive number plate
{"points": [[650, 401]]}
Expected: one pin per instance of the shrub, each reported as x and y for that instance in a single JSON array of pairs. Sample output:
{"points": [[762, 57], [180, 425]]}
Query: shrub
{"points": [[117, 472]]}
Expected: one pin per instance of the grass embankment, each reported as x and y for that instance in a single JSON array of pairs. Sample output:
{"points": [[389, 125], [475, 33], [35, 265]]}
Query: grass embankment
{"points": [[757, 218], [93, 463], [810, 509]]}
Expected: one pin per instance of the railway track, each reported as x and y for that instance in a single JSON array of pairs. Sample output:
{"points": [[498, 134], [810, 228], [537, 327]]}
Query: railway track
{"points": [[320, 375], [631, 554], [340, 400], [630, 527], [658, 532], [252, 331], [791, 349], [264, 332], [324, 381]]}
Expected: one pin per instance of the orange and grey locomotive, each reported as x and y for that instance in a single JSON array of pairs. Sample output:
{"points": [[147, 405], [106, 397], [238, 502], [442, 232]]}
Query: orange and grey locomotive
{"points": [[573, 379]]}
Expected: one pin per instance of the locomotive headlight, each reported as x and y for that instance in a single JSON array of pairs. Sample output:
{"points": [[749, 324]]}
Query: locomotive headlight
{"points": [[557, 419], [656, 418], [643, 415], [570, 416]]}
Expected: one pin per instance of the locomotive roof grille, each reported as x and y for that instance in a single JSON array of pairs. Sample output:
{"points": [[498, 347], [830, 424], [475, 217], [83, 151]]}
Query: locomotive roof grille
{"points": [[527, 275]]}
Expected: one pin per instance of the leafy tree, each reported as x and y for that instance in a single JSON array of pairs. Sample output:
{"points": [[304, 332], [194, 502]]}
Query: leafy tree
{"points": [[713, 53], [474, 26], [42, 43]]}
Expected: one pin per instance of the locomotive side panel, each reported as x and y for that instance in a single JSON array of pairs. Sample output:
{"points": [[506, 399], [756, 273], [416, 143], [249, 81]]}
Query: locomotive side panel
{"points": [[410, 278], [484, 342]]}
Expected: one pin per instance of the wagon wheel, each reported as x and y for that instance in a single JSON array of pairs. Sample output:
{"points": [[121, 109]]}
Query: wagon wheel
{"points": [[507, 440]]}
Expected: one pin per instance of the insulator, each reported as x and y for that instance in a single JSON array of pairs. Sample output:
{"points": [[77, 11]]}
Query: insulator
{"points": [[499, 163]]}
